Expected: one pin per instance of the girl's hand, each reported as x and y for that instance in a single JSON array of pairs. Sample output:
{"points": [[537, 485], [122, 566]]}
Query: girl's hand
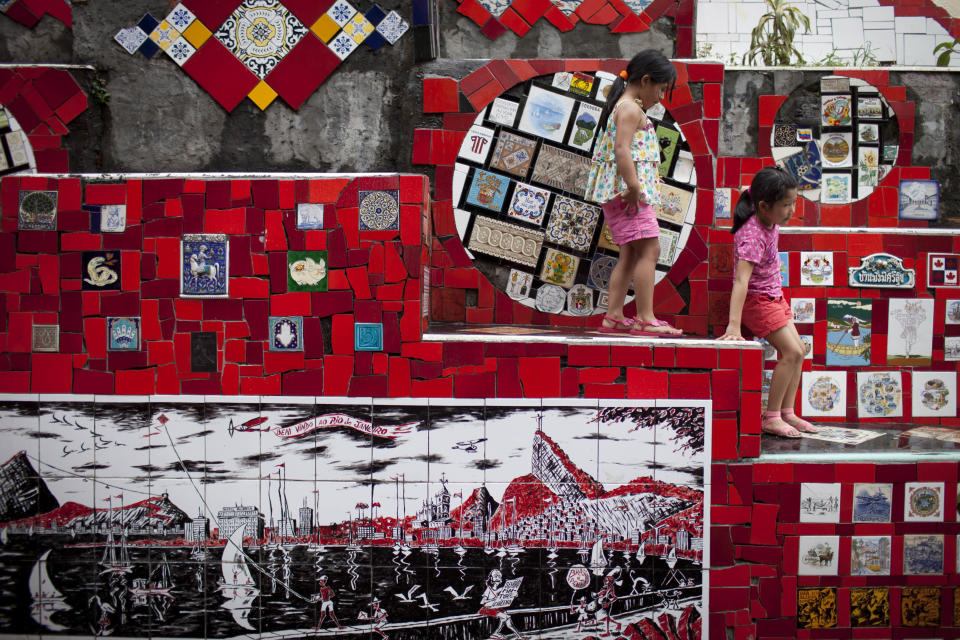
{"points": [[631, 196], [732, 333]]}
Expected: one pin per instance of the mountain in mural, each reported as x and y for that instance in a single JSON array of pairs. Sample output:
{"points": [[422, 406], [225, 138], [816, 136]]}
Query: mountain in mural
{"points": [[23, 492], [152, 513]]}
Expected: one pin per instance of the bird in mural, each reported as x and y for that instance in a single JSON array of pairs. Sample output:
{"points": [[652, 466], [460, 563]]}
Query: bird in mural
{"points": [[83, 448], [470, 446], [408, 596], [459, 596], [67, 452], [426, 603]]}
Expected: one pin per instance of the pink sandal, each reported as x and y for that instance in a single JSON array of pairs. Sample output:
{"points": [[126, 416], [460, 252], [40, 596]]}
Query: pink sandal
{"points": [[643, 331], [623, 326]]}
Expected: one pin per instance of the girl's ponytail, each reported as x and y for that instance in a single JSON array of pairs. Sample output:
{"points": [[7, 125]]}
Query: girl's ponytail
{"points": [[616, 91], [743, 211], [648, 62]]}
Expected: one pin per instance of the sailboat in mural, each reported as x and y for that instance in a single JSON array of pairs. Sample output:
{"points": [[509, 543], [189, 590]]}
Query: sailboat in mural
{"points": [[115, 558], [158, 584], [47, 600], [236, 583]]}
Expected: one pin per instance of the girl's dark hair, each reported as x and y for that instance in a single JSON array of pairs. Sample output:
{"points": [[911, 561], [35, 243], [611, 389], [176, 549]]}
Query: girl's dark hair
{"points": [[648, 62], [770, 184]]}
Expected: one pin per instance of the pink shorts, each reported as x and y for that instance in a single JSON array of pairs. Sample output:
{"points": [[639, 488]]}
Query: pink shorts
{"points": [[763, 315], [628, 223]]}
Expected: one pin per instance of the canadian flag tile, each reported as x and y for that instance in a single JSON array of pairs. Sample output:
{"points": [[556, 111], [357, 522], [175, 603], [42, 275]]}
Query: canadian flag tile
{"points": [[943, 270]]}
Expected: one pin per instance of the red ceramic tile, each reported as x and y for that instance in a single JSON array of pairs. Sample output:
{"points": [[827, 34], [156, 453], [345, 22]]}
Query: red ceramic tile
{"points": [[220, 73], [440, 95], [302, 70]]}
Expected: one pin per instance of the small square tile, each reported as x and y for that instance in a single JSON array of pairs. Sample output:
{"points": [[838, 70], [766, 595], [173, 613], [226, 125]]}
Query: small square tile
{"points": [[870, 606], [130, 38], [262, 95], [392, 27], [286, 333], [123, 334], [45, 337], [100, 271], [325, 28], [870, 555], [817, 608], [920, 607], [572, 223], [379, 210], [181, 17], [818, 555], [358, 28], [923, 501], [529, 203], [922, 554], [197, 33], [559, 268], [37, 210], [376, 14], [306, 271], [148, 23], [164, 35], [260, 34], [309, 216], [343, 45], [368, 336], [113, 218], [180, 51], [341, 12], [374, 41], [204, 260], [872, 502], [919, 199], [149, 49], [203, 352], [17, 146]]}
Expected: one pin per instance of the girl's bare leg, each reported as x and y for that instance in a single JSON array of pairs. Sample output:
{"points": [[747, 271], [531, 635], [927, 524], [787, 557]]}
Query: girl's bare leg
{"points": [[785, 380], [648, 251], [620, 282]]}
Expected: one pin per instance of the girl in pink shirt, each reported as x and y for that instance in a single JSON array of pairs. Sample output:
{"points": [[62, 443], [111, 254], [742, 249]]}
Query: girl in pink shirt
{"points": [[757, 299]]}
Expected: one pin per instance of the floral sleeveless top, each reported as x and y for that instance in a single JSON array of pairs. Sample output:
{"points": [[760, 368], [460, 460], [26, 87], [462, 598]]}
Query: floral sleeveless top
{"points": [[604, 181]]}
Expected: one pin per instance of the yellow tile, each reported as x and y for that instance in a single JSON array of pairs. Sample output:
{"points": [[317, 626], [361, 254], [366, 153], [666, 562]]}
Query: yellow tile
{"points": [[262, 95], [197, 33], [325, 28]]}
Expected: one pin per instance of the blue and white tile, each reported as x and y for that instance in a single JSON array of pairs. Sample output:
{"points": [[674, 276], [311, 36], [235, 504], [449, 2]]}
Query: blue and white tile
{"points": [[130, 38], [180, 17], [341, 12], [392, 27], [180, 51], [343, 45]]}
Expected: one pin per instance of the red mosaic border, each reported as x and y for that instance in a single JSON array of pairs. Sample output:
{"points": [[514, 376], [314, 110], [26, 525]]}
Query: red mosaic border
{"points": [[29, 12]]}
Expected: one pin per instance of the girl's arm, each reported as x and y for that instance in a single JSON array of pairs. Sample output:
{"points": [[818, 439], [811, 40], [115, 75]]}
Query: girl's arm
{"points": [[630, 118], [739, 294]]}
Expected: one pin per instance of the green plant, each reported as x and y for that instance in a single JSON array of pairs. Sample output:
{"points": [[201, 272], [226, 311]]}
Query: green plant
{"points": [[949, 48], [772, 39], [862, 57], [98, 90]]}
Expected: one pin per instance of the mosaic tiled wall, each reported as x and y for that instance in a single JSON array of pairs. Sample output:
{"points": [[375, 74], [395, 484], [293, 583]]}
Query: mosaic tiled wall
{"points": [[29, 12], [835, 550], [352, 517]]}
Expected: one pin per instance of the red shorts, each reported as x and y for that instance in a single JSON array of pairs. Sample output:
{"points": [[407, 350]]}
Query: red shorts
{"points": [[763, 315]]}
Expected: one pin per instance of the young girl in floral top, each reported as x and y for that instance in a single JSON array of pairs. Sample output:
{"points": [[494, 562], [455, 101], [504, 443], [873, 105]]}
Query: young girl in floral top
{"points": [[625, 173], [757, 299]]}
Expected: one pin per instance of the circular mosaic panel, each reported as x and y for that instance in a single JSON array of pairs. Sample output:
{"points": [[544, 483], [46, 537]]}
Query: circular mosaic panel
{"points": [[519, 185], [839, 141], [16, 154]]}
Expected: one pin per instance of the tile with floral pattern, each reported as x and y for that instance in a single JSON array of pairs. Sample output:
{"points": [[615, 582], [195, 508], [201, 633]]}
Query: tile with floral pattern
{"points": [[572, 223]]}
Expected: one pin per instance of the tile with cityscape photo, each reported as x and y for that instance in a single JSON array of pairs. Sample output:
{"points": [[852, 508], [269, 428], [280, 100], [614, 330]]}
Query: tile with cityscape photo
{"points": [[923, 554], [872, 502], [870, 555]]}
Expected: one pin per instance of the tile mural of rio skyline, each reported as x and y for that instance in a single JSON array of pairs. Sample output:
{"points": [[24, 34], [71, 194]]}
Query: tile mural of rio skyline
{"points": [[290, 517]]}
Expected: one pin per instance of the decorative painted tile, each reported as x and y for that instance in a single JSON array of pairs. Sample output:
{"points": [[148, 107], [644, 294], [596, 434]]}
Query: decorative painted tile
{"points": [[881, 270], [804, 134], [488, 190], [550, 298], [392, 27], [17, 147], [868, 167], [180, 17], [286, 333], [872, 502], [45, 337], [306, 271], [572, 223], [836, 150], [203, 352], [309, 216], [836, 188], [784, 268], [580, 300], [605, 241], [584, 128], [507, 241], [669, 139], [513, 154], [529, 203], [869, 133], [164, 35], [368, 336], [910, 332], [923, 502], [675, 204], [784, 135], [123, 333], [581, 84], [113, 218], [819, 502], [951, 348], [601, 268], [870, 555], [503, 111], [379, 210], [934, 393], [824, 393], [100, 271], [943, 270], [204, 266], [849, 323], [807, 345], [922, 554], [546, 114], [805, 166], [952, 312], [834, 84], [842, 435], [358, 28], [722, 208], [325, 28], [816, 269], [879, 394], [817, 608], [343, 45], [561, 80], [835, 111], [803, 309], [476, 144], [518, 284], [870, 606], [920, 607], [341, 12], [818, 555], [668, 246], [130, 38], [37, 210], [561, 169], [559, 268], [869, 108], [919, 199], [180, 51], [260, 33], [604, 83]]}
